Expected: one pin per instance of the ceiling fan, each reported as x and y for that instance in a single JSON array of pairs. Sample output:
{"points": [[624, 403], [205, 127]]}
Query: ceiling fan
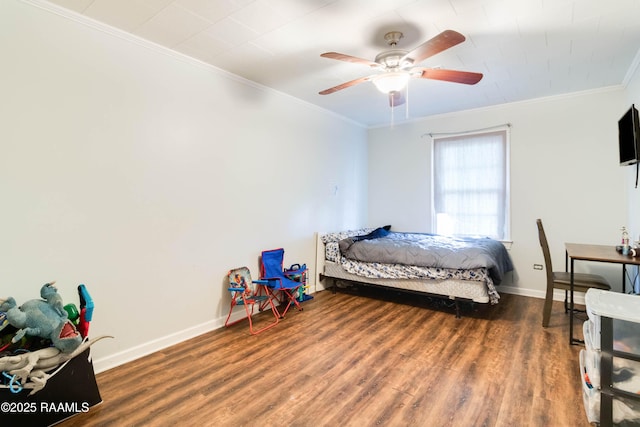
{"points": [[397, 66]]}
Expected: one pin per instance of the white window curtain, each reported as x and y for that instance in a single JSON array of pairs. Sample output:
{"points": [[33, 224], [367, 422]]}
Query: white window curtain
{"points": [[471, 184]]}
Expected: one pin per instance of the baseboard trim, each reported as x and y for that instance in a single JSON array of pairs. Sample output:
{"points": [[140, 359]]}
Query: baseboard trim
{"points": [[133, 353], [558, 294]]}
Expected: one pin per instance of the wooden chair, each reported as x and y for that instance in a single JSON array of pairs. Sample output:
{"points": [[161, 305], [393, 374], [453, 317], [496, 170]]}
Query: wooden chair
{"points": [[562, 279]]}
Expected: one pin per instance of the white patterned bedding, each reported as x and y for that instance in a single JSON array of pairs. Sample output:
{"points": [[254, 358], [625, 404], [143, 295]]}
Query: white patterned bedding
{"points": [[477, 281], [449, 288]]}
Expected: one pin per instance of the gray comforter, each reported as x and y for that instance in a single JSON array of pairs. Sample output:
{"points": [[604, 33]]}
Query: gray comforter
{"points": [[430, 250]]}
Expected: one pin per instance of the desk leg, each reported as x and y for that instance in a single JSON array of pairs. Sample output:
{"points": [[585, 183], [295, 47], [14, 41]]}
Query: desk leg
{"points": [[624, 276], [571, 306], [572, 340]]}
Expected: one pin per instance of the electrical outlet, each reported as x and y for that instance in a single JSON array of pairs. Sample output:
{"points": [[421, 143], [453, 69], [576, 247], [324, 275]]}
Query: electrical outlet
{"points": [[537, 266]]}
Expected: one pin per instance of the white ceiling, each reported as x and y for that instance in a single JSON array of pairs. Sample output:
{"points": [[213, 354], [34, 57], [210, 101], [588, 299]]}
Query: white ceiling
{"points": [[525, 48]]}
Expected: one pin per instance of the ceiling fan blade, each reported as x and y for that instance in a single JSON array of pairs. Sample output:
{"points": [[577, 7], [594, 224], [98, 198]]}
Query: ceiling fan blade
{"points": [[345, 85], [349, 58], [396, 98], [437, 44], [454, 76]]}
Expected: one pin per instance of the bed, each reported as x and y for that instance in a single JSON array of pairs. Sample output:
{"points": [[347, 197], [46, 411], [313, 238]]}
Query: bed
{"points": [[458, 269]]}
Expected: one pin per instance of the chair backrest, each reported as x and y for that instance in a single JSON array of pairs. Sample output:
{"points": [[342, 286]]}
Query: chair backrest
{"points": [[240, 278], [545, 251], [271, 263]]}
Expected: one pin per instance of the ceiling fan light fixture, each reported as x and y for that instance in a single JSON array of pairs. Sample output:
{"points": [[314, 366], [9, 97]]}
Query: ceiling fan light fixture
{"points": [[392, 81]]}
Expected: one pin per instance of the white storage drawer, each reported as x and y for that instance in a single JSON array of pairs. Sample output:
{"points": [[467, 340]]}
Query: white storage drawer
{"points": [[626, 334], [612, 352], [625, 412], [626, 373]]}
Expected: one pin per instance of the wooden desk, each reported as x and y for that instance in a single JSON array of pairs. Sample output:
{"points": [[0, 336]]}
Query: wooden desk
{"points": [[597, 253]]}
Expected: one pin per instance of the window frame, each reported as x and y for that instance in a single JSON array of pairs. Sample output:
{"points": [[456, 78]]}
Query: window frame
{"points": [[507, 173]]}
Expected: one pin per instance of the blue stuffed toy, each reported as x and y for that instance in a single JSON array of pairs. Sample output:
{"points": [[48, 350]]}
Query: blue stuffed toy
{"points": [[45, 318]]}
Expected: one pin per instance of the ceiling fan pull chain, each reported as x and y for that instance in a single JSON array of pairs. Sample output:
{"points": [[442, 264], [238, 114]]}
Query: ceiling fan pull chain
{"points": [[406, 105], [392, 115]]}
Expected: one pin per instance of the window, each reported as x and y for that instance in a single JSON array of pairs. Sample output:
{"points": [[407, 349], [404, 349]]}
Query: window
{"points": [[471, 184]]}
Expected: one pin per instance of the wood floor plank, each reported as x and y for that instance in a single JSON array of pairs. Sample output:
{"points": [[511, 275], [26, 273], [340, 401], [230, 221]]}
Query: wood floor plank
{"points": [[359, 359]]}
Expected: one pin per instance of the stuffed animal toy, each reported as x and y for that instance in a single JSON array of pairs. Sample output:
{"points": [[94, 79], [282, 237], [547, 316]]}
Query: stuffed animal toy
{"points": [[45, 318], [49, 293]]}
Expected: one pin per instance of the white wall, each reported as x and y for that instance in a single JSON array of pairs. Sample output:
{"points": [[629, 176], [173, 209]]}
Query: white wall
{"points": [[147, 176], [633, 97], [564, 169]]}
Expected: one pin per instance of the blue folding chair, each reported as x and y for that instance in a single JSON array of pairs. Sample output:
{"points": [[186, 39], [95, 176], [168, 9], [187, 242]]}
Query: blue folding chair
{"points": [[248, 293], [284, 289]]}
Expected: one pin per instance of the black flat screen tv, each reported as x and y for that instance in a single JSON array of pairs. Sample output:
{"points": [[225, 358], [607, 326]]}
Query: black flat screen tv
{"points": [[629, 137]]}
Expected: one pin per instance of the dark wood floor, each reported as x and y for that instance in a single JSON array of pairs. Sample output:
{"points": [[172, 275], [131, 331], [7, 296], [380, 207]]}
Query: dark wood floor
{"points": [[354, 360]]}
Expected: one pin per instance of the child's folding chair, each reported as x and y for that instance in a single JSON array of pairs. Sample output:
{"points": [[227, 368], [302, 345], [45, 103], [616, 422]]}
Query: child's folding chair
{"points": [[247, 292], [284, 289]]}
